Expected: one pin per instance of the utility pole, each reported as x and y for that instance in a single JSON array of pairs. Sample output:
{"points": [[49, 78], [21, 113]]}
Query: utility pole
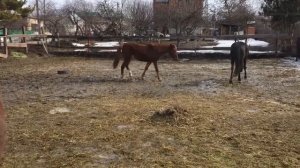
{"points": [[38, 15], [44, 15]]}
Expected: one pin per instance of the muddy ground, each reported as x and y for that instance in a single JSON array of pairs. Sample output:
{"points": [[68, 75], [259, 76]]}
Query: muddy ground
{"points": [[88, 117]]}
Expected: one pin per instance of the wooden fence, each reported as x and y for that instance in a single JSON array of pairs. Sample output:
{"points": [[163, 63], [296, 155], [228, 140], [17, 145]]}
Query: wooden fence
{"points": [[6, 42], [59, 46]]}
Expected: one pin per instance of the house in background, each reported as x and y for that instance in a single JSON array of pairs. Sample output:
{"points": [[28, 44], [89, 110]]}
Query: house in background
{"points": [[29, 23], [230, 28]]}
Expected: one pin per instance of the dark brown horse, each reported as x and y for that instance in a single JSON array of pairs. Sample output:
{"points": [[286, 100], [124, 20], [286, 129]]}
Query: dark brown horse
{"points": [[239, 53], [149, 53]]}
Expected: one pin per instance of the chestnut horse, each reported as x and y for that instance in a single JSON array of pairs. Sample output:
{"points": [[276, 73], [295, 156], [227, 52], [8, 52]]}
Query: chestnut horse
{"points": [[149, 53], [239, 53], [2, 130]]}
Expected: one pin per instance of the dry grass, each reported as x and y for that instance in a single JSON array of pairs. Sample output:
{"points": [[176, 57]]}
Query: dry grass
{"points": [[194, 118]]}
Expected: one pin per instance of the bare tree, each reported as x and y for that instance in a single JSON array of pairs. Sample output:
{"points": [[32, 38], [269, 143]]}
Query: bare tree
{"points": [[112, 12], [81, 13], [185, 20], [236, 11], [140, 16], [53, 18], [183, 16]]}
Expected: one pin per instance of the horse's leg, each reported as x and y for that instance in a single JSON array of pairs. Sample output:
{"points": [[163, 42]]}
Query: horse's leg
{"points": [[232, 64], [245, 67], [146, 68], [125, 64], [130, 73], [239, 75], [122, 70], [156, 69]]}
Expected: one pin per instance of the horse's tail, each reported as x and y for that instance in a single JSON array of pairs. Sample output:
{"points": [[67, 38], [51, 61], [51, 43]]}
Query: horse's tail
{"points": [[117, 58], [240, 55]]}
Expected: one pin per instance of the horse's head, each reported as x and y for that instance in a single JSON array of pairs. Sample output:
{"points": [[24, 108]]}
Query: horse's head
{"points": [[173, 51]]}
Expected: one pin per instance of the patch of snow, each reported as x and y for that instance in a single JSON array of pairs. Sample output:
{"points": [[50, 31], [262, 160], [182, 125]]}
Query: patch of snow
{"points": [[252, 110], [60, 110], [78, 45], [204, 51], [261, 52], [222, 51], [291, 61], [84, 49], [107, 158], [250, 42], [125, 127], [147, 144], [122, 126], [107, 44], [274, 102], [257, 43], [112, 50]]}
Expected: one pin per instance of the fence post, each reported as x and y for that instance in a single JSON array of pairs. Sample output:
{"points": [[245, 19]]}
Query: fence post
{"points": [[2, 35], [5, 41], [23, 40], [195, 46], [178, 41], [58, 40], [5, 55]]}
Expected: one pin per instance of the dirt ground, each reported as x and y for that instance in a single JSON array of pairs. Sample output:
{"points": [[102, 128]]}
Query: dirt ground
{"points": [[89, 117]]}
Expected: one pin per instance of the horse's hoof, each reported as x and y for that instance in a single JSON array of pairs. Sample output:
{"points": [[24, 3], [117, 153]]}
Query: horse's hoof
{"points": [[230, 82]]}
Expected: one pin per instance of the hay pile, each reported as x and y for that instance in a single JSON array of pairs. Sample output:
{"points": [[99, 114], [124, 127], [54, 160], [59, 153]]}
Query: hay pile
{"points": [[171, 115]]}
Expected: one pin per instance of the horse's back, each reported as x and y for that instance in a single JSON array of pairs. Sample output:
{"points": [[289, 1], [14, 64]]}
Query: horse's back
{"points": [[141, 52], [238, 49], [132, 48]]}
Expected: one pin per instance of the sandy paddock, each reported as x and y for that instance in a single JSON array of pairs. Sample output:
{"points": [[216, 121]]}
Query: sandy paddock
{"points": [[88, 117]]}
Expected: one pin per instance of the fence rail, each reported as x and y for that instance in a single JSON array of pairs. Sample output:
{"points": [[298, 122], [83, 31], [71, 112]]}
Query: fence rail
{"points": [[280, 36]]}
